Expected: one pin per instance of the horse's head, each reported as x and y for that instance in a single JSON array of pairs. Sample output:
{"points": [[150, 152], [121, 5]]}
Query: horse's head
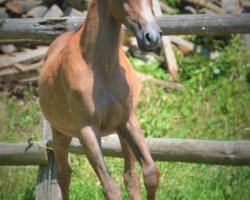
{"points": [[137, 16]]}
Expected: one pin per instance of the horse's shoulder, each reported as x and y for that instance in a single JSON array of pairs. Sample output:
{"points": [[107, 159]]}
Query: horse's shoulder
{"points": [[58, 44]]}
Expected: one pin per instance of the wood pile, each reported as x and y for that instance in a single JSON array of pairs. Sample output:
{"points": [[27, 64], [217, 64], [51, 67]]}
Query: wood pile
{"points": [[20, 63]]}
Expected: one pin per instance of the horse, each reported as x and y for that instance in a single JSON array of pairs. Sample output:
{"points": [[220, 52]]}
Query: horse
{"points": [[88, 89]]}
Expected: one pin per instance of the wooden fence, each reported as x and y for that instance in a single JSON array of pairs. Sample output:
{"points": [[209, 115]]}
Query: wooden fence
{"points": [[42, 30], [176, 150]]}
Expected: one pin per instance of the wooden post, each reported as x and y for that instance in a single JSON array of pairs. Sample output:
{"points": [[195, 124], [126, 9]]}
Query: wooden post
{"points": [[167, 47], [47, 186]]}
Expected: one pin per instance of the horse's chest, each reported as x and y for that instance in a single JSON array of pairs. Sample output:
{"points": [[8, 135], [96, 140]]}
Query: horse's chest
{"points": [[112, 110]]}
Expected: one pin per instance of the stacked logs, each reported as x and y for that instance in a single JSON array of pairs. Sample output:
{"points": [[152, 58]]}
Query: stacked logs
{"points": [[20, 64]]}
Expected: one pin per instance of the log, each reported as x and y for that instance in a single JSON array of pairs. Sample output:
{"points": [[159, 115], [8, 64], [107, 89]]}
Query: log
{"points": [[31, 55], [216, 2], [220, 24], [20, 77], [184, 45], [166, 8], [38, 11], [18, 68], [18, 88], [159, 83], [39, 30], [54, 12], [25, 68], [177, 150], [35, 30], [235, 153], [167, 48], [23, 153], [206, 11], [231, 6], [29, 79], [206, 4], [8, 48], [189, 10], [72, 12], [21, 6]]}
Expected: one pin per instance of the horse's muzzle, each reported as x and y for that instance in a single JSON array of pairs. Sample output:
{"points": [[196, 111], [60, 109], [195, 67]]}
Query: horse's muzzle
{"points": [[148, 37]]}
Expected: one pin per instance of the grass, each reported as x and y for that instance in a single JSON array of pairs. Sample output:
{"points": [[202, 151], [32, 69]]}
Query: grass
{"points": [[212, 106], [20, 120]]}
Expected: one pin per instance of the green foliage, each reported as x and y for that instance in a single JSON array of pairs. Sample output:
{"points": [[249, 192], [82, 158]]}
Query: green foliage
{"points": [[150, 66], [172, 3], [175, 5]]}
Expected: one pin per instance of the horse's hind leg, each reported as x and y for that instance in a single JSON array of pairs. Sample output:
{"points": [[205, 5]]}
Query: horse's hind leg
{"points": [[90, 139], [130, 177], [60, 147]]}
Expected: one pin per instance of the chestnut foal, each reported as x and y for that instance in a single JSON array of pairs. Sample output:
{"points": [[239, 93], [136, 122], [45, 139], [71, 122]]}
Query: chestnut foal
{"points": [[88, 89]]}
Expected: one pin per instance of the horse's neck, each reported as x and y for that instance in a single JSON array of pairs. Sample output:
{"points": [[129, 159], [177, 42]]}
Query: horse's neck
{"points": [[100, 37]]}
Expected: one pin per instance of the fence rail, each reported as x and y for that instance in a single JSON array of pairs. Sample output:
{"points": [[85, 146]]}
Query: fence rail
{"points": [[42, 30], [23, 153], [175, 150]]}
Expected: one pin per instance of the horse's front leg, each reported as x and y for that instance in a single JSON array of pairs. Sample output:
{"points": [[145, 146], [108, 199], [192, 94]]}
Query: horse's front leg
{"points": [[90, 139], [132, 133], [130, 177]]}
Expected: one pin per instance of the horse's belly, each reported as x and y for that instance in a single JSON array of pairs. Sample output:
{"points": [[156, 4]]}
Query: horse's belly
{"points": [[56, 110]]}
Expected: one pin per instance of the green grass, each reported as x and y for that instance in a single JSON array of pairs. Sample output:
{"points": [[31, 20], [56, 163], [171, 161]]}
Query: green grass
{"points": [[212, 106], [20, 119], [18, 183]]}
